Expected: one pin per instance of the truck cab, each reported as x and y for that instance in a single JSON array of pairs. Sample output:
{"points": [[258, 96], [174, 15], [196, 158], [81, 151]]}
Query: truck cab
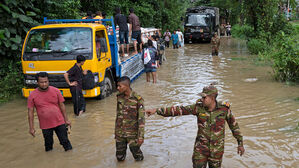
{"points": [[201, 23], [53, 48]]}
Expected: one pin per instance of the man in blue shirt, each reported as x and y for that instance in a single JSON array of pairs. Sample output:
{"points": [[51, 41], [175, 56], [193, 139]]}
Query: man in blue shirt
{"points": [[175, 39]]}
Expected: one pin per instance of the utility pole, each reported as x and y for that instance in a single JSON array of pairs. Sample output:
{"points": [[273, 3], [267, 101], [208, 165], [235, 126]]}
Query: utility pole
{"points": [[241, 12]]}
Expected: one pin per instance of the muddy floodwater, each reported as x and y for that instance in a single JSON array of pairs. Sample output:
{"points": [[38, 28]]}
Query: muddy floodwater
{"points": [[267, 112]]}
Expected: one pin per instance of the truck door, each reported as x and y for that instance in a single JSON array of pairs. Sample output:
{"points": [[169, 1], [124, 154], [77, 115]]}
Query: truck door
{"points": [[102, 53]]}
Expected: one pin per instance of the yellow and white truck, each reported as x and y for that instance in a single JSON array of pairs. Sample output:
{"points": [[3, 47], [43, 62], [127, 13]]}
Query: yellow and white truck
{"points": [[54, 46]]}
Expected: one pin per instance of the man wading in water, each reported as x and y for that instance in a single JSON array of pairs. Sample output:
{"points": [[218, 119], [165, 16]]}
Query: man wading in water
{"points": [[74, 78], [48, 102], [129, 123]]}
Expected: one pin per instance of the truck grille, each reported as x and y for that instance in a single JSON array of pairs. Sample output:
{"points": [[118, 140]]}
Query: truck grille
{"points": [[56, 80]]}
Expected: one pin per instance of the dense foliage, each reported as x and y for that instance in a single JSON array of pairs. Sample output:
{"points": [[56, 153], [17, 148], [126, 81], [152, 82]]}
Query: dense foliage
{"points": [[230, 10], [271, 36], [16, 19], [284, 55], [165, 14]]}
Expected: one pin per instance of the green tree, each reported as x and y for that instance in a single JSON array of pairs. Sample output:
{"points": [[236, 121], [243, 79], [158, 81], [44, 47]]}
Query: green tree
{"points": [[57, 9], [16, 19], [229, 10], [156, 13]]}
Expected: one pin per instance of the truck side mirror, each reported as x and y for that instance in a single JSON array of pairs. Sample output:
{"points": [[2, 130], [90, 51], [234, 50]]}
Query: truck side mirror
{"points": [[103, 43]]}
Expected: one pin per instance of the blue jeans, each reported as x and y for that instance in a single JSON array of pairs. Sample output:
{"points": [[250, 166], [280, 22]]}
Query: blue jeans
{"points": [[123, 37], [136, 35], [150, 70]]}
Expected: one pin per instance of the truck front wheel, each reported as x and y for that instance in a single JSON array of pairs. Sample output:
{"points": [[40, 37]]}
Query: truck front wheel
{"points": [[106, 90]]}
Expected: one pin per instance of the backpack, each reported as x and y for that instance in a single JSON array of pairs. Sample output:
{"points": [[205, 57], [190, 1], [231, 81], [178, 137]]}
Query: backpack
{"points": [[88, 81], [146, 56]]}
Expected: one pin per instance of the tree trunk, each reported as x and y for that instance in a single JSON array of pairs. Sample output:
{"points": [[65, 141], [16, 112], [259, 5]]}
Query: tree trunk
{"points": [[241, 13]]}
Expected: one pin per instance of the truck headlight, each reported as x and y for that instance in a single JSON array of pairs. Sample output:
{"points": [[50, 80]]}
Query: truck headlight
{"points": [[30, 82]]}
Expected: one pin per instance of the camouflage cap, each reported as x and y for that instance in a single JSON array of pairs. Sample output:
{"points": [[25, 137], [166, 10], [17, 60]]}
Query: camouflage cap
{"points": [[208, 90]]}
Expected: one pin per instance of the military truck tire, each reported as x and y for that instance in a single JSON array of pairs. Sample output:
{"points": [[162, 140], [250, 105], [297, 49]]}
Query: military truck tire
{"points": [[107, 89]]}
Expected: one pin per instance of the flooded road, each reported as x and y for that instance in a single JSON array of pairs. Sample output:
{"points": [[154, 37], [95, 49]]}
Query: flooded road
{"points": [[266, 111]]}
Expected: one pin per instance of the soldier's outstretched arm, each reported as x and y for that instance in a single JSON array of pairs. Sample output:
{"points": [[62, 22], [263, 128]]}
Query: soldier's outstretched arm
{"points": [[177, 110], [141, 121], [234, 127]]}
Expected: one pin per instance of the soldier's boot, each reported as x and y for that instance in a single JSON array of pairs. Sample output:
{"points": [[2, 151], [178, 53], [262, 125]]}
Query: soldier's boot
{"points": [[121, 148], [137, 153]]}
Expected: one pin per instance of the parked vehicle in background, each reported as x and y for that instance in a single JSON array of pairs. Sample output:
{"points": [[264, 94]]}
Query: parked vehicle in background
{"points": [[201, 23]]}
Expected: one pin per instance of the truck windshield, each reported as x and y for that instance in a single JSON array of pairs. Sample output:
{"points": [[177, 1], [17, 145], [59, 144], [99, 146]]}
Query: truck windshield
{"points": [[197, 20], [58, 44]]}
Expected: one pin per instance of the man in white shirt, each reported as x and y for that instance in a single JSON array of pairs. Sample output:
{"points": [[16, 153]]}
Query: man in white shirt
{"points": [[228, 28], [181, 38]]}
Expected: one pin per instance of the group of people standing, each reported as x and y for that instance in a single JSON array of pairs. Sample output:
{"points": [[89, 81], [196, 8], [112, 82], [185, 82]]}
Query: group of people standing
{"points": [[130, 119], [97, 15], [211, 117], [215, 41], [225, 29], [133, 31], [177, 38], [130, 111], [125, 31]]}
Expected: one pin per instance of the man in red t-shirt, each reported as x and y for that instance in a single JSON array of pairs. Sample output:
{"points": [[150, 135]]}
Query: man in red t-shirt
{"points": [[48, 102]]}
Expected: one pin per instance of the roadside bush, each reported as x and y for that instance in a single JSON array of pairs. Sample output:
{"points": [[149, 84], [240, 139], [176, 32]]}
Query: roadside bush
{"points": [[296, 27], [18, 18], [284, 55], [256, 46], [242, 31], [11, 79], [281, 24]]}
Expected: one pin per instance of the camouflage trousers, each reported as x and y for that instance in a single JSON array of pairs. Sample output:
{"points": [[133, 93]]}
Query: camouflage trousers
{"points": [[202, 156], [201, 161], [121, 148], [215, 50]]}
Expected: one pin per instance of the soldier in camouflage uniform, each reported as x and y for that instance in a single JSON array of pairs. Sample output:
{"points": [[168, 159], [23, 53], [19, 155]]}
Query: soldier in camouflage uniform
{"points": [[129, 124], [211, 116], [215, 41]]}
